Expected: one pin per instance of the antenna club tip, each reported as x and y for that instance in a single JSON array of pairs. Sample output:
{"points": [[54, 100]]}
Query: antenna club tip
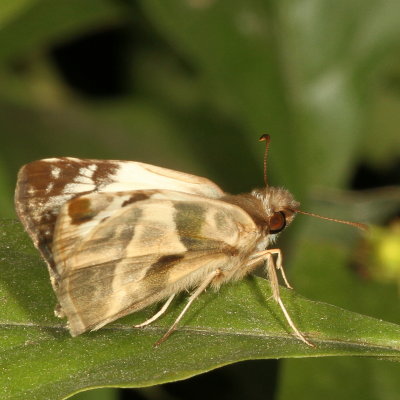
{"points": [[265, 138]]}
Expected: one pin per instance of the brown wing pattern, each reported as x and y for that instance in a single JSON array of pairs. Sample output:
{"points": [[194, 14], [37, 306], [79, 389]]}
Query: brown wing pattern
{"points": [[140, 253], [44, 186]]}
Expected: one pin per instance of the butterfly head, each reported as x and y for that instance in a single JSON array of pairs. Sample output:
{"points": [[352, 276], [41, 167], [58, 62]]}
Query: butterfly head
{"points": [[279, 207]]}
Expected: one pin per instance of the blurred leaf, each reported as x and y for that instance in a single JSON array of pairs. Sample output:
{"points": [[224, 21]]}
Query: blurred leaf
{"points": [[47, 22], [10, 10], [372, 206], [6, 196], [283, 65], [40, 359], [233, 46], [382, 141]]}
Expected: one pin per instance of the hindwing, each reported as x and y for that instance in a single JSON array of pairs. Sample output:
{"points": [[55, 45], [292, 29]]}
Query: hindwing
{"points": [[117, 253]]}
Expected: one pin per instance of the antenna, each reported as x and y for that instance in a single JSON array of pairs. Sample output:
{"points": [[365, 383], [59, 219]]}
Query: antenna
{"points": [[267, 139], [341, 221]]}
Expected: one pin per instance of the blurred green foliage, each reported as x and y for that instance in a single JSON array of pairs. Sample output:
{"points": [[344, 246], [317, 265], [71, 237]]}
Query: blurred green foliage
{"points": [[196, 83]]}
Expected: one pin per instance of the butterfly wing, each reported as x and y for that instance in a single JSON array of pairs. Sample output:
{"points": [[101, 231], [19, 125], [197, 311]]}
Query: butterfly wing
{"points": [[44, 186], [118, 254]]}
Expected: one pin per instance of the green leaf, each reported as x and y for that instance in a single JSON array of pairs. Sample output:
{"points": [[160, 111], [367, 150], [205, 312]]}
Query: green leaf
{"points": [[233, 46], [46, 22], [10, 10], [297, 70], [41, 360]]}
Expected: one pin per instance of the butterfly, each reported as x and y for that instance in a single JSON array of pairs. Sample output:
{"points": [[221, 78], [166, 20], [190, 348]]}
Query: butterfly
{"points": [[119, 236]]}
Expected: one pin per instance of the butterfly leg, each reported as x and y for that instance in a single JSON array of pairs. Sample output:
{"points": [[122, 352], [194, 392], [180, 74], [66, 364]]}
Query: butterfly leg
{"points": [[257, 257], [192, 297], [279, 265], [156, 315], [271, 271], [271, 267]]}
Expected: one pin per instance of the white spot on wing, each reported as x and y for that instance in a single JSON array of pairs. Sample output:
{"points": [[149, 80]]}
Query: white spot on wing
{"points": [[49, 187], [92, 167], [50, 160], [79, 187], [52, 203], [55, 172], [73, 159]]}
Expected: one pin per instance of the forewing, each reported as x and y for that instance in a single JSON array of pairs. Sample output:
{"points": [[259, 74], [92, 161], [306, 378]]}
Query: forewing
{"points": [[136, 248], [44, 186]]}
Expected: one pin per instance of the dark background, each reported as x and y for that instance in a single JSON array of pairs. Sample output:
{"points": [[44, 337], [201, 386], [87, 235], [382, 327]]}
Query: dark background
{"points": [[191, 85]]}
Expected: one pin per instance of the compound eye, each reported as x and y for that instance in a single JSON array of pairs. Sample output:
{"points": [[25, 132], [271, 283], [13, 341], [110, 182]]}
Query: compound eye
{"points": [[277, 222]]}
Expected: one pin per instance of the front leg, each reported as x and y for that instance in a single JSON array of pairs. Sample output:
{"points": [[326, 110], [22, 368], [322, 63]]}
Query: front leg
{"points": [[271, 267], [260, 256]]}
